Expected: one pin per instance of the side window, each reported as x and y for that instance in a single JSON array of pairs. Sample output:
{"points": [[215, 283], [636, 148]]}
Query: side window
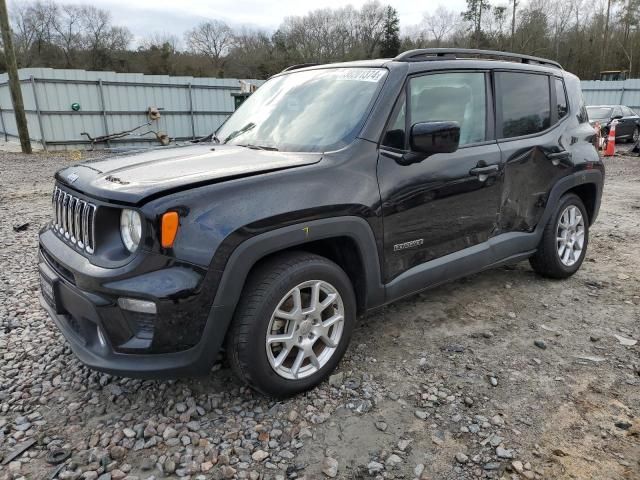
{"points": [[459, 97], [524, 103], [561, 99], [394, 136], [626, 111], [617, 112]]}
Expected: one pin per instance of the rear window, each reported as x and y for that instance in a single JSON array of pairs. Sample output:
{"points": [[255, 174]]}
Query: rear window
{"points": [[596, 113], [561, 98], [524, 103]]}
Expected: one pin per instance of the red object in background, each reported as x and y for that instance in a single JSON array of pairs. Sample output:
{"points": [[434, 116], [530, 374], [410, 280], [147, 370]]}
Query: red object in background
{"points": [[610, 148]]}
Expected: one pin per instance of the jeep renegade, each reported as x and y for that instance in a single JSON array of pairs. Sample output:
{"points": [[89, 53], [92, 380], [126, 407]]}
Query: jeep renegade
{"points": [[333, 190]]}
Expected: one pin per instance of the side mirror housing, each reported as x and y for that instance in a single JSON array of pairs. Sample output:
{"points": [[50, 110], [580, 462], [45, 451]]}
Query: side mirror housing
{"points": [[616, 117], [435, 137]]}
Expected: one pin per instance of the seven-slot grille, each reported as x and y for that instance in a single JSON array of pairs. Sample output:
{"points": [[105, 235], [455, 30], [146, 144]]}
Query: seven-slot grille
{"points": [[74, 219]]}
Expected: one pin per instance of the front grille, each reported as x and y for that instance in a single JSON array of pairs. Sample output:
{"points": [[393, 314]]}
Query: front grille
{"points": [[74, 219]]}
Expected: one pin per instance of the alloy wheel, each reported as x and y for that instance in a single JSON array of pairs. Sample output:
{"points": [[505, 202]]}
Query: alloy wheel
{"points": [[305, 329], [570, 235]]}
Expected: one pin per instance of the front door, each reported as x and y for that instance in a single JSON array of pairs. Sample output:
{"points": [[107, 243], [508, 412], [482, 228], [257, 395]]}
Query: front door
{"points": [[449, 201]]}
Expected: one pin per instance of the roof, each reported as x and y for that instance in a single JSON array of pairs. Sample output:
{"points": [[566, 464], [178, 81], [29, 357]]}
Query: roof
{"points": [[447, 57]]}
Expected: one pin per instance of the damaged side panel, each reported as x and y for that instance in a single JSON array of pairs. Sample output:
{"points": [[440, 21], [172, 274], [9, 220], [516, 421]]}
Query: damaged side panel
{"points": [[528, 177]]}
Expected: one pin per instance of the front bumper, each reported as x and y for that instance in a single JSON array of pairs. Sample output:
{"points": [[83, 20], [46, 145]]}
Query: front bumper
{"points": [[180, 340]]}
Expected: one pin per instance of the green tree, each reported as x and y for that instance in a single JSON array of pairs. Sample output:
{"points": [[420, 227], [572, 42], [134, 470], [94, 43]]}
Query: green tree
{"points": [[473, 14], [390, 45]]}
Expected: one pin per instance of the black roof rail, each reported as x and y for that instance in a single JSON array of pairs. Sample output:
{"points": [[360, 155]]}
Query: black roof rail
{"points": [[426, 54], [299, 65]]}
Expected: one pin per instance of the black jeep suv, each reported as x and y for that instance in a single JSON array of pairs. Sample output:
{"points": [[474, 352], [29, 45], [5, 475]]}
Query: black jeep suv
{"points": [[333, 190]]}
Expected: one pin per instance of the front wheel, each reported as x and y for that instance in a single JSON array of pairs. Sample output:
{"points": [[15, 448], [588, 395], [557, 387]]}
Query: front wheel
{"points": [[292, 325], [564, 241], [636, 134]]}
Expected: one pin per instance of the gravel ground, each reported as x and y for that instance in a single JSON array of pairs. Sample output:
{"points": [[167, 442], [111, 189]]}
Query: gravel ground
{"points": [[500, 375]]}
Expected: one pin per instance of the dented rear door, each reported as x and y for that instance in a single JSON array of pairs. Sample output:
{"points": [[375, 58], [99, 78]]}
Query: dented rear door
{"points": [[535, 153]]}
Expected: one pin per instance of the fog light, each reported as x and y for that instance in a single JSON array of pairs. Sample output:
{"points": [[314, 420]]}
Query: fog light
{"points": [[135, 305]]}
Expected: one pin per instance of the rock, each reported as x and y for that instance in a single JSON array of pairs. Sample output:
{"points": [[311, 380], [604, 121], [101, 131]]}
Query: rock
{"points": [[497, 420], [259, 455], [117, 474], [374, 467], [504, 453], [336, 379], [417, 471], [627, 342], [461, 458], [393, 460], [117, 453], [169, 465], [468, 401], [330, 467], [129, 433], [494, 381], [382, 426], [540, 344], [403, 444], [227, 471], [69, 475], [517, 466], [169, 432], [421, 414]]}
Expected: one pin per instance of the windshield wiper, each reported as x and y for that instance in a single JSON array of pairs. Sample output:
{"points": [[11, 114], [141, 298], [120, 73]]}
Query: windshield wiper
{"points": [[260, 147], [239, 132], [208, 138]]}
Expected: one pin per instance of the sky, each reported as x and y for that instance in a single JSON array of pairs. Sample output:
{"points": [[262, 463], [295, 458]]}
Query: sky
{"points": [[146, 17]]}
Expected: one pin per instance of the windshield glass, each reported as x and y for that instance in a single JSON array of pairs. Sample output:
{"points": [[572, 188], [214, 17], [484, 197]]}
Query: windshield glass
{"points": [[599, 112], [311, 111]]}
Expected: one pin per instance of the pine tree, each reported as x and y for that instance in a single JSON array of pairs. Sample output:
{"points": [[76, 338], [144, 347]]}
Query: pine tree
{"points": [[390, 46], [473, 14]]}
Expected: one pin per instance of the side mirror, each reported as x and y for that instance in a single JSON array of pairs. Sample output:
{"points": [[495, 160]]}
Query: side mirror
{"points": [[435, 137], [616, 117]]}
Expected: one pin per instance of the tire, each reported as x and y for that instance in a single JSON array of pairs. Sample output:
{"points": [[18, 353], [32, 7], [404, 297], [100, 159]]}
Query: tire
{"points": [[547, 260], [635, 135], [272, 286]]}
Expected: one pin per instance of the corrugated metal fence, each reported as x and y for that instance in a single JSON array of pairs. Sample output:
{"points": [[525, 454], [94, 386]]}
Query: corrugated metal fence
{"points": [[625, 92], [113, 102], [190, 107]]}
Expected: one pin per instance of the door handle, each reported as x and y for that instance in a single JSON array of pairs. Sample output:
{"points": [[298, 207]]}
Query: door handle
{"points": [[485, 170], [557, 156]]}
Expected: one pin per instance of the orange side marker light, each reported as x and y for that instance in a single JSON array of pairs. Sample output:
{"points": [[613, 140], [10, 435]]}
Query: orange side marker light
{"points": [[169, 229]]}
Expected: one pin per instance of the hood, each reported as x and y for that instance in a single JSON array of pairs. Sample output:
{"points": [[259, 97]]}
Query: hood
{"points": [[134, 177]]}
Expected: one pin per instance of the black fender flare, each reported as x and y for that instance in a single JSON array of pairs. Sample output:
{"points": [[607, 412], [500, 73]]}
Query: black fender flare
{"points": [[249, 252], [252, 250], [563, 185]]}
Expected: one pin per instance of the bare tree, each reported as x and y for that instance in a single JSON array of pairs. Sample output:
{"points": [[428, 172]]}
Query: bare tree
{"points": [[371, 26], [33, 28], [212, 39], [68, 32], [439, 24]]}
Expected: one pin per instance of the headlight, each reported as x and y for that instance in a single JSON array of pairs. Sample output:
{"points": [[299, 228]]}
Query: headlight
{"points": [[130, 229]]}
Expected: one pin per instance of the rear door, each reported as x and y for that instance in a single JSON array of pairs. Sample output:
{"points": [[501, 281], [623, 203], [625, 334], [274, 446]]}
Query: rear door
{"points": [[628, 120], [622, 125], [448, 201], [531, 113]]}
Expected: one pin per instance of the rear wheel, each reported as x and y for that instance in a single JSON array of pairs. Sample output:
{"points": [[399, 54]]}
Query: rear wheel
{"points": [[564, 241], [292, 325]]}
